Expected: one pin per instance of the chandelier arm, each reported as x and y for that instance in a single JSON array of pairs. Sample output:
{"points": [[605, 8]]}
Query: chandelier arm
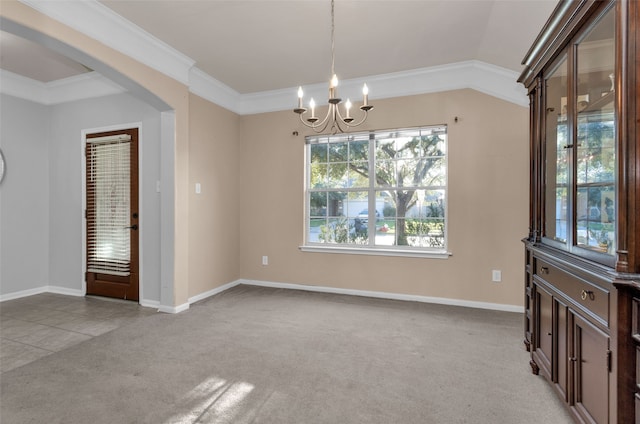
{"points": [[351, 124], [337, 120], [316, 127], [325, 121], [364, 118]]}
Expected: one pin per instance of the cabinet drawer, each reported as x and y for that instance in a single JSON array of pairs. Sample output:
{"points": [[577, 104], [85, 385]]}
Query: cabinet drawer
{"points": [[589, 296]]}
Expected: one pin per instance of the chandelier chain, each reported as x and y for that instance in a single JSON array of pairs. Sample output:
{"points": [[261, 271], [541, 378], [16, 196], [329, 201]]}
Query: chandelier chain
{"points": [[333, 29]]}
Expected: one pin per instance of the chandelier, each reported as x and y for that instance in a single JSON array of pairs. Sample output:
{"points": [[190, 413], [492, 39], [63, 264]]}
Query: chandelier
{"points": [[334, 118]]}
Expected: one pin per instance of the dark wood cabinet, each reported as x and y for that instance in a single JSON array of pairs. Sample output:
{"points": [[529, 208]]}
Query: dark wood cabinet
{"points": [[582, 253], [591, 356]]}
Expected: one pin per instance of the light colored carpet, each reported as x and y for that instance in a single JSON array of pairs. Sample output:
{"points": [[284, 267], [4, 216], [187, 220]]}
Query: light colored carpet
{"points": [[261, 355]]}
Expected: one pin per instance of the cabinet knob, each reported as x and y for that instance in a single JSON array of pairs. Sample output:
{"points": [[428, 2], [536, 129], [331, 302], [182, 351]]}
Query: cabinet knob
{"points": [[544, 270], [587, 294], [573, 359]]}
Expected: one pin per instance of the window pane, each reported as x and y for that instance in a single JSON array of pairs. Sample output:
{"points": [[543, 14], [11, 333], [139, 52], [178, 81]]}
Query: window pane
{"points": [[386, 224], [318, 153], [411, 218], [595, 135], [557, 178], [359, 151], [318, 204], [386, 173], [318, 175], [342, 225], [410, 162], [338, 175], [358, 215], [358, 174], [338, 152], [335, 203]]}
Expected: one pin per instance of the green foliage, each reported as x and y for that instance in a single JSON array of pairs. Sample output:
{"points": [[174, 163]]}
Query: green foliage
{"points": [[388, 211], [419, 227], [343, 232]]}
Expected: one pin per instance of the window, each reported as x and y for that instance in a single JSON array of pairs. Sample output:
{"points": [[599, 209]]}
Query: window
{"points": [[379, 191]]}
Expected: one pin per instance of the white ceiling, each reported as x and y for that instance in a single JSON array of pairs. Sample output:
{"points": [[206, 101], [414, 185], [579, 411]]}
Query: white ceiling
{"points": [[259, 45]]}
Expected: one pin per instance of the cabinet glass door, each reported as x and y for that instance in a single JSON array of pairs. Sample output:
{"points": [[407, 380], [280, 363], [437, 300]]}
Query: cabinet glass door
{"points": [[595, 147], [557, 175], [580, 145]]}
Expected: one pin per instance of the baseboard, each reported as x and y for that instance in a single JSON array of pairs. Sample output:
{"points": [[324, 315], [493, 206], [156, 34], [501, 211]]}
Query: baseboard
{"points": [[393, 296], [23, 293], [149, 303], [173, 309], [320, 289], [196, 298], [39, 290], [65, 291], [213, 292]]}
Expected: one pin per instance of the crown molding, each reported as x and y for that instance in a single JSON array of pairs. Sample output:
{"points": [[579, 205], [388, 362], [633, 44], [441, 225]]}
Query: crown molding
{"points": [[209, 88], [79, 87], [22, 87], [480, 76], [489, 79], [101, 23]]}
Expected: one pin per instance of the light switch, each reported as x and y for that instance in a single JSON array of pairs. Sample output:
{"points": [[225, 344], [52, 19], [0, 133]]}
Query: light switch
{"points": [[198, 188]]}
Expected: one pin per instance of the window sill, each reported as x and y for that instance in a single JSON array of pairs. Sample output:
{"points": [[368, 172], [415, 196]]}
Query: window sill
{"points": [[433, 254]]}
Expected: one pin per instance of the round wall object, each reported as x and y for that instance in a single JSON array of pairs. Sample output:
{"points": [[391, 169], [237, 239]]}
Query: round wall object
{"points": [[2, 166]]}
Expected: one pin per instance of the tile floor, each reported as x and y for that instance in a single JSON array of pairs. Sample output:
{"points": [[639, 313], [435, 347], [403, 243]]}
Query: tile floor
{"points": [[37, 326]]}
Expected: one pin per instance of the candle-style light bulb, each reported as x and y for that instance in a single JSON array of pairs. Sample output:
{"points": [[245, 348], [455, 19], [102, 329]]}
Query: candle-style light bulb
{"points": [[365, 95], [312, 105], [300, 94], [347, 106], [332, 86]]}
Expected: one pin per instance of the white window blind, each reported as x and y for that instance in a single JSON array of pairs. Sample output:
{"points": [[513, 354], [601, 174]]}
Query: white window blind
{"points": [[108, 205]]}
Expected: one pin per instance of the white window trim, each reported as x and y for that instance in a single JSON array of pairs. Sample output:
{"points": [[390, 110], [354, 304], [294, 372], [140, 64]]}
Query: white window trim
{"points": [[370, 250], [413, 253]]}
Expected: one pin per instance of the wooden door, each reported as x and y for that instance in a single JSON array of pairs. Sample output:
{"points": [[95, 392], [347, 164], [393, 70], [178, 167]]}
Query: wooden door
{"points": [[592, 362], [543, 328], [561, 341], [112, 214]]}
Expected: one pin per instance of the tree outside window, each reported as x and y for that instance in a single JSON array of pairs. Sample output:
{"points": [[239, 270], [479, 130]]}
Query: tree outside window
{"points": [[381, 189]]}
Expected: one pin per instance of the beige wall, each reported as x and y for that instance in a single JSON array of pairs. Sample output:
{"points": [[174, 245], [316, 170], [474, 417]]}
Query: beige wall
{"points": [[213, 218], [488, 183], [251, 170]]}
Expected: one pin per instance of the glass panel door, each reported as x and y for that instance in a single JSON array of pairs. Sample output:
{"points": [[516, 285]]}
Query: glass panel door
{"points": [[595, 139], [557, 155]]}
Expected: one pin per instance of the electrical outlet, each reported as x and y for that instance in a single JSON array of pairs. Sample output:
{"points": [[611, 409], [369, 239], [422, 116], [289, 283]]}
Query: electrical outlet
{"points": [[496, 275], [265, 260]]}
